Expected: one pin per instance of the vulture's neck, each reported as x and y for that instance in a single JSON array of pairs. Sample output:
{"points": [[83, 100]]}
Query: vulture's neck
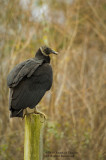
{"points": [[39, 55]]}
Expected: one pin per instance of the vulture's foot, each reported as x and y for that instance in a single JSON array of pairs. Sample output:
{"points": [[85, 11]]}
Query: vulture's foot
{"points": [[41, 113]]}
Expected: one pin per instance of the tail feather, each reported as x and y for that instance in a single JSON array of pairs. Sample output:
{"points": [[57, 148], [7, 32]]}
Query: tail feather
{"points": [[16, 113]]}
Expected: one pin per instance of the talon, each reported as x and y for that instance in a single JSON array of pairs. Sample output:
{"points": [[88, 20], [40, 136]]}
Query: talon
{"points": [[41, 113]]}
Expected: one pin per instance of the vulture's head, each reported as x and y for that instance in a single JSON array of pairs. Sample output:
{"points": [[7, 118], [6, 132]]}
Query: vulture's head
{"points": [[46, 51]]}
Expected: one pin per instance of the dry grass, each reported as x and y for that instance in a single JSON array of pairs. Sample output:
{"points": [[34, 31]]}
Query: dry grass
{"points": [[76, 104]]}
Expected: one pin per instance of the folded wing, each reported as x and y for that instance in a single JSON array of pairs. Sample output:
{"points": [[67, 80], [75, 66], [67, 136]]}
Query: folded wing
{"points": [[21, 70]]}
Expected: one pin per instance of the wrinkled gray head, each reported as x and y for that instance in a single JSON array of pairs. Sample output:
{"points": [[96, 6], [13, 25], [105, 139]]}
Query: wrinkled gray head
{"points": [[46, 50]]}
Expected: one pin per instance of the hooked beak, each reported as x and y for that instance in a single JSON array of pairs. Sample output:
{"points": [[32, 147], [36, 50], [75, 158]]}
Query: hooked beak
{"points": [[54, 52]]}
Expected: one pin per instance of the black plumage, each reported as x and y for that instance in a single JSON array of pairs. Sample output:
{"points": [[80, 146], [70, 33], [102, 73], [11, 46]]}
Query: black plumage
{"points": [[29, 80]]}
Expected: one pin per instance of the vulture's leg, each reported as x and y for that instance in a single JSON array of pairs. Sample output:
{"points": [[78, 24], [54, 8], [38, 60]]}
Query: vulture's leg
{"points": [[25, 113]]}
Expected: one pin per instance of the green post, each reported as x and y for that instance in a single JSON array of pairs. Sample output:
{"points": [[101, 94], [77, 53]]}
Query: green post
{"points": [[33, 144]]}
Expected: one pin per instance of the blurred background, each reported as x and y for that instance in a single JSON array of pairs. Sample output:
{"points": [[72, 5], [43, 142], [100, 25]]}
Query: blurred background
{"points": [[76, 104]]}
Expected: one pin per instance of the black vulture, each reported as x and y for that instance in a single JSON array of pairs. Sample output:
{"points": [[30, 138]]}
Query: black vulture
{"points": [[29, 80]]}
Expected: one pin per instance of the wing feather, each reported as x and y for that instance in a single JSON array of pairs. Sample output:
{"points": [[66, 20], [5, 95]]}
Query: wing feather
{"points": [[21, 70]]}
